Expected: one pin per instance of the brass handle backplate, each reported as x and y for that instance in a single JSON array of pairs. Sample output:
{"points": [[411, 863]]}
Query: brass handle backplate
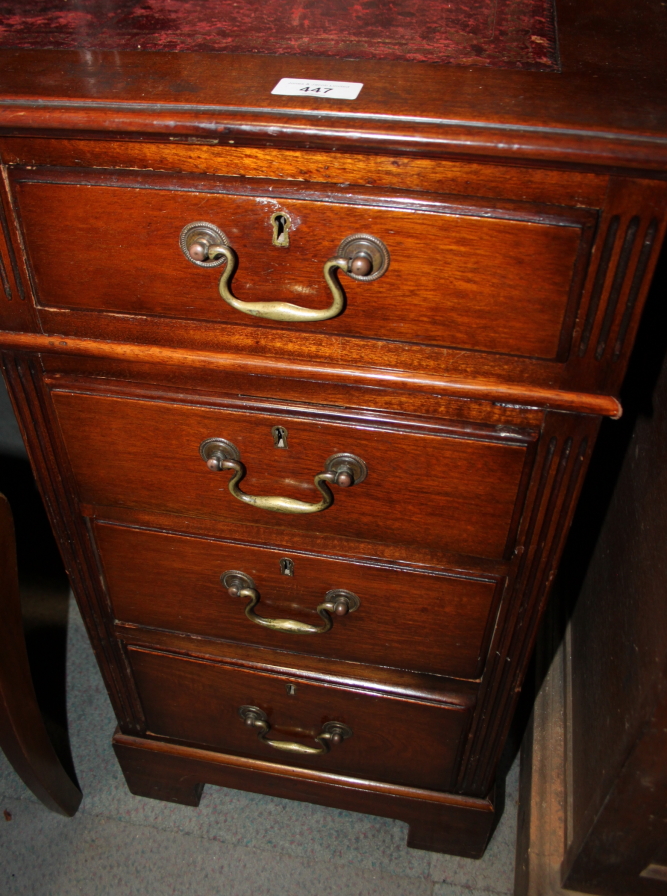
{"points": [[336, 603], [332, 733], [361, 256], [344, 470], [196, 241]]}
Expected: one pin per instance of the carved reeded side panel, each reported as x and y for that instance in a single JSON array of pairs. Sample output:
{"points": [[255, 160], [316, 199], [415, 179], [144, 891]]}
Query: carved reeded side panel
{"points": [[626, 249], [4, 271], [16, 313], [31, 402], [9, 278], [565, 449]]}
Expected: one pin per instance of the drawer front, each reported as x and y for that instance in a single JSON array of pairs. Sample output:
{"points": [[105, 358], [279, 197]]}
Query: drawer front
{"points": [[460, 493], [471, 277], [392, 739], [409, 620]]}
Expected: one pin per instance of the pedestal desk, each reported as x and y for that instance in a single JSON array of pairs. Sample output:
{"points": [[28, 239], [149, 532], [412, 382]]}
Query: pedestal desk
{"points": [[310, 382]]}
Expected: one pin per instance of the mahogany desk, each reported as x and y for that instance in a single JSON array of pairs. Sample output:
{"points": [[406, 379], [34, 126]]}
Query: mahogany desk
{"points": [[312, 547]]}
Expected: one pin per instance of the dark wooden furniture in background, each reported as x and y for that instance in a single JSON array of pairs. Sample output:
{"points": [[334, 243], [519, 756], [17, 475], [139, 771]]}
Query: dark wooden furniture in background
{"points": [[523, 212], [593, 814], [617, 832], [23, 736]]}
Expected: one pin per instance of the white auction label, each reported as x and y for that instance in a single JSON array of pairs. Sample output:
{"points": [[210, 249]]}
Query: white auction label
{"points": [[334, 90]]}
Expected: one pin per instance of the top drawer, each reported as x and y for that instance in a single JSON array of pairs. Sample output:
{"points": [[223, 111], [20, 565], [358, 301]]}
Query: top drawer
{"points": [[503, 278]]}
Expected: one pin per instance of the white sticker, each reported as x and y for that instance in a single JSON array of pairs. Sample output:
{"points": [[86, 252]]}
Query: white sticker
{"points": [[333, 90]]}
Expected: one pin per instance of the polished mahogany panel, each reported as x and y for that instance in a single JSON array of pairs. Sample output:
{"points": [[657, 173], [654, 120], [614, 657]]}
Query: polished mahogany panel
{"points": [[393, 739], [466, 274], [407, 619], [423, 486]]}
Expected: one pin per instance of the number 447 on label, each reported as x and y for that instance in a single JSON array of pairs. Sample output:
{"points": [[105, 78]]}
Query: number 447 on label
{"points": [[338, 90]]}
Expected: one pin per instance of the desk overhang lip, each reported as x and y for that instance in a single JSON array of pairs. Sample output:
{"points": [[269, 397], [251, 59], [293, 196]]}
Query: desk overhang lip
{"points": [[502, 393], [515, 143], [220, 111]]}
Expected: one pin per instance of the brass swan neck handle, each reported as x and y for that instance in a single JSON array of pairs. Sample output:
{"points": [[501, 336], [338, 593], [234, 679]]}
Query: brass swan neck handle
{"points": [[344, 470], [332, 733], [361, 256], [284, 311], [336, 603]]}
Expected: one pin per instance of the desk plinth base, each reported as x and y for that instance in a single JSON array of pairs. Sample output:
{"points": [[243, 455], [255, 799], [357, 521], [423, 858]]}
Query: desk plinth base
{"points": [[439, 822]]}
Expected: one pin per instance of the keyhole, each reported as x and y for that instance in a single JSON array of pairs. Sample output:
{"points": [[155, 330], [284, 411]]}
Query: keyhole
{"points": [[281, 225], [286, 567], [291, 689], [279, 434]]}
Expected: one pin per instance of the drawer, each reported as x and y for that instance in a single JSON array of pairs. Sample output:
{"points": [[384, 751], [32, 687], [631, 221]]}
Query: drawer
{"points": [[422, 622], [469, 274], [463, 495], [397, 740]]}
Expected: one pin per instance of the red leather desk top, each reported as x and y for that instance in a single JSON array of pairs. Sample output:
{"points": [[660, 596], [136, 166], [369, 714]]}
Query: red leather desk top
{"points": [[500, 33]]}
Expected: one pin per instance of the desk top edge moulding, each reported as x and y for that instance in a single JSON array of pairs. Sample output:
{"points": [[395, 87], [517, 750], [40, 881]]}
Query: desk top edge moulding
{"points": [[310, 375]]}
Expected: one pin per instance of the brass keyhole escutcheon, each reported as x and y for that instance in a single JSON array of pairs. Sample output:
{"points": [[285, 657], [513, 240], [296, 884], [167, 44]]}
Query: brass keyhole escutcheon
{"points": [[279, 434], [281, 223]]}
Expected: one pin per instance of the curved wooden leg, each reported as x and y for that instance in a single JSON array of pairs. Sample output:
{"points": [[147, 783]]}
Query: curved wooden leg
{"points": [[23, 736]]}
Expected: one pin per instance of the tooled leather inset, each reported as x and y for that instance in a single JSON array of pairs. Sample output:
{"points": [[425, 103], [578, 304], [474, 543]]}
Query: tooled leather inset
{"points": [[500, 33]]}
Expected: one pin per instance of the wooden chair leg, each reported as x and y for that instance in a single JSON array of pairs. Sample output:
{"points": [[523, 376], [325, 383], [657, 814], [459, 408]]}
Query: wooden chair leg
{"points": [[23, 736]]}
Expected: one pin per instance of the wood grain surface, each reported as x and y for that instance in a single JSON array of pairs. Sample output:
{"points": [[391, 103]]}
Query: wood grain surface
{"points": [[407, 619], [197, 703], [119, 252], [145, 454], [461, 177], [474, 397]]}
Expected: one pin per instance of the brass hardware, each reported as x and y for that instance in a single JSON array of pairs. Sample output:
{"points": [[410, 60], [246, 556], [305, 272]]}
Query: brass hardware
{"points": [[332, 733], [216, 451], [336, 603], [360, 248], [281, 224], [279, 434], [285, 311], [291, 689], [286, 567], [360, 256], [344, 470], [349, 469], [199, 242]]}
